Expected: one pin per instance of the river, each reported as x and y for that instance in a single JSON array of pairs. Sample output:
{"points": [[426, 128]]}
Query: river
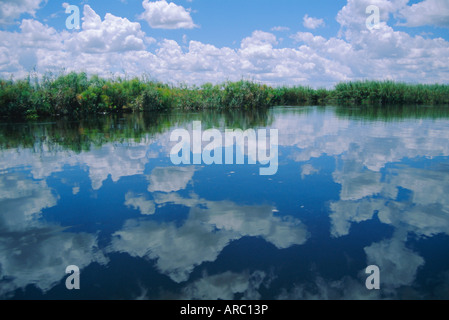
{"points": [[352, 188]]}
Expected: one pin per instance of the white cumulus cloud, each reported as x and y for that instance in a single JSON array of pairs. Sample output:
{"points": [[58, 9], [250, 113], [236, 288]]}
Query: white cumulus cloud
{"points": [[312, 23], [427, 12], [13, 9], [164, 15], [114, 45], [113, 34]]}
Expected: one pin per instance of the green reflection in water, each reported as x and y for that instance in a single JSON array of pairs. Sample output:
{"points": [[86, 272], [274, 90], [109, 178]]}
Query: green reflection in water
{"points": [[94, 132], [393, 113]]}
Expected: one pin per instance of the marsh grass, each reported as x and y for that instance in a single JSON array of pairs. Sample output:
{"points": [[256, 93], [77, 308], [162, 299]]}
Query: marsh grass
{"points": [[76, 94], [391, 93]]}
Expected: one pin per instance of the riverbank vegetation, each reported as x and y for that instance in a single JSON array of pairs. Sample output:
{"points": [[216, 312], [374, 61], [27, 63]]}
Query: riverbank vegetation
{"points": [[77, 94]]}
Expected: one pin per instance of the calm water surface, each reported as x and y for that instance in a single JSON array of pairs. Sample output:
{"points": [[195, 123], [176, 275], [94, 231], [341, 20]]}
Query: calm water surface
{"points": [[355, 187]]}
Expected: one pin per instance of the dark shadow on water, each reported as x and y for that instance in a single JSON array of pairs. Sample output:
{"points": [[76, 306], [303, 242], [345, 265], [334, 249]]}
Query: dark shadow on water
{"points": [[392, 112], [81, 135]]}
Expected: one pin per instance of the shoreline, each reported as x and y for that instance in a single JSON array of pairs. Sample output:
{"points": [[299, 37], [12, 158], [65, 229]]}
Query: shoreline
{"points": [[76, 94]]}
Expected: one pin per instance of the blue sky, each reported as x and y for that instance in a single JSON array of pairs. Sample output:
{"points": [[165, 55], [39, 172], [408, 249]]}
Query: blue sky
{"points": [[284, 42], [220, 22]]}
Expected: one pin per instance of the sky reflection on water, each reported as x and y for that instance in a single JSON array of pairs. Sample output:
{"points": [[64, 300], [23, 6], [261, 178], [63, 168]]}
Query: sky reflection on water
{"points": [[354, 188]]}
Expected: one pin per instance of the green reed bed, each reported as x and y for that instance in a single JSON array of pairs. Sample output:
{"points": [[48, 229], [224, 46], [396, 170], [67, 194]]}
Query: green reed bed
{"points": [[391, 93], [77, 94]]}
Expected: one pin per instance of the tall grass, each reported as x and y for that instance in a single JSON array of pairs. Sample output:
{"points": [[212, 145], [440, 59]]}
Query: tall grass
{"points": [[76, 94], [389, 92]]}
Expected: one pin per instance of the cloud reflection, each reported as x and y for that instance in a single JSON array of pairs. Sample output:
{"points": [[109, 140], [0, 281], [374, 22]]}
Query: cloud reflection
{"points": [[209, 228], [33, 252]]}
